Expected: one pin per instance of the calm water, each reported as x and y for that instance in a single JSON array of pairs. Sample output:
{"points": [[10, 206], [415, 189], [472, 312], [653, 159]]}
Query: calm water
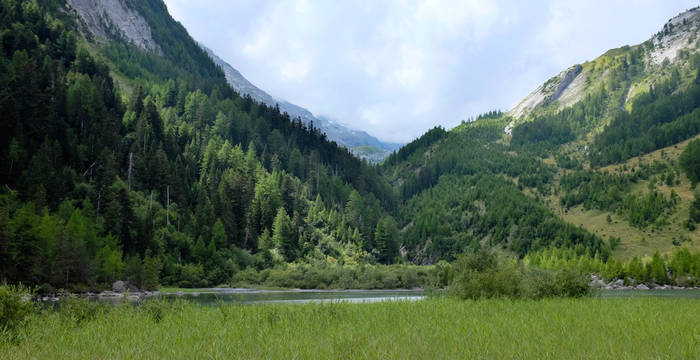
{"points": [[239, 296], [211, 297]]}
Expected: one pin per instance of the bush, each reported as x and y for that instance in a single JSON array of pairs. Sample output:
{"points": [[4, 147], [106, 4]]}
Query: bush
{"points": [[15, 307], [572, 282], [485, 275], [538, 283]]}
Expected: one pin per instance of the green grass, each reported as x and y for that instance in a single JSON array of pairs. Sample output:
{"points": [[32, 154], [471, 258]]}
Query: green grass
{"points": [[591, 328]]}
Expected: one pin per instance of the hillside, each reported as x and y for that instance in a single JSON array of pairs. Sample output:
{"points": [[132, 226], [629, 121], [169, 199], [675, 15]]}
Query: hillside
{"points": [[126, 154], [595, 148], [359, 142]]}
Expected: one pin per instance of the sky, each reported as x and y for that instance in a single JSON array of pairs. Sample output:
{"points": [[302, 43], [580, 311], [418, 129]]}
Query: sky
{"points": [[396, 68]]}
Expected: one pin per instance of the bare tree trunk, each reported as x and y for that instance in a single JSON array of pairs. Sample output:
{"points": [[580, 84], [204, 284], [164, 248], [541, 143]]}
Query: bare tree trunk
{"points": [[167, 213], [131, 165]]}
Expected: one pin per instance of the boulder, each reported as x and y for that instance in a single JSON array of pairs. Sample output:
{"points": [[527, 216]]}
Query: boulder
{"points": [[133, 288], [119, 286], [618, 283], [642, 287], [597, 284]]}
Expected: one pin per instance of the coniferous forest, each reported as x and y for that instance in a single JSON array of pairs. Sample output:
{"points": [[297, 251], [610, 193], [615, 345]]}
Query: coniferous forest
{"points": [[120, 162]]}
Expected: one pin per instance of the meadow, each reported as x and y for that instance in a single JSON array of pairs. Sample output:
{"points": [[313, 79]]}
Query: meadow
{"points": [[436, 328]]}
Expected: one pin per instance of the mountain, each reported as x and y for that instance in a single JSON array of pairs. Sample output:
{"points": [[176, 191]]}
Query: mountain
{"points": [[125, 154], [359, 142], [591, 160]]}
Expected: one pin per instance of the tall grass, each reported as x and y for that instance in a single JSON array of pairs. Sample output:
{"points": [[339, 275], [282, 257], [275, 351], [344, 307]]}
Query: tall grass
{"points": [[637, 328]]}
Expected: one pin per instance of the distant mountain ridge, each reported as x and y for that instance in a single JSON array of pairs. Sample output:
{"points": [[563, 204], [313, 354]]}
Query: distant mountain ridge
{"points": [[359, 142]]}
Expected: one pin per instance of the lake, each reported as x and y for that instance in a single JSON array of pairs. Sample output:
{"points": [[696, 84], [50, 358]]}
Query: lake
{"points": [[249, 296]]}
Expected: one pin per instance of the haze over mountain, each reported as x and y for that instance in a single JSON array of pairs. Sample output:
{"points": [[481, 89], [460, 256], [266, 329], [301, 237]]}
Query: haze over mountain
{"points": [[359, 142]]}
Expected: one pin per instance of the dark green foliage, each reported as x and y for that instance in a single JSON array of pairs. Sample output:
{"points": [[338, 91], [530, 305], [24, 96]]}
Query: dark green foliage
{"points": [[417, 146], [548, 130], [610, 192], [644, 209], [386, 239], [459, 214], [690, 161], [173, 181], [474, 151]]}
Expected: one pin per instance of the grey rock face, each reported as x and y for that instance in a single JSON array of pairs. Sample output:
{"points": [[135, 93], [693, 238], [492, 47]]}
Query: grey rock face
{"points": [[109, 18]]}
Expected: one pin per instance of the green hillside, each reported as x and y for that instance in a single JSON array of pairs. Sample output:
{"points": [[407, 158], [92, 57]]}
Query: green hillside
{"points": [[589, 161]]}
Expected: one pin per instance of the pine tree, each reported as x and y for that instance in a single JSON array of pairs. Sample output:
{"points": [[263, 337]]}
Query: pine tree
{"points": [[284, 236]]}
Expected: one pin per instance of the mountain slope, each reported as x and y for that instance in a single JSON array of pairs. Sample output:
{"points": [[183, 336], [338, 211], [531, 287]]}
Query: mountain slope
{"points": [[359, 142], [522, 177], [126, 155]]}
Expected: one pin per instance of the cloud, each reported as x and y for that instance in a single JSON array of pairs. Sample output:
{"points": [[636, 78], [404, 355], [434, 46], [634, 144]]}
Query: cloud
{"points": [[396, 68]]}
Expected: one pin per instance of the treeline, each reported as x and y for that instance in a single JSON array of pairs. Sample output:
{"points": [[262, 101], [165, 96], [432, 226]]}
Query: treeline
{"points": [[175, 179], [681, 267]]}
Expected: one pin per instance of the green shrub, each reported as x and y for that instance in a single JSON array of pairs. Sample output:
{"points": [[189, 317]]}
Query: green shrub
{"points": [[539, 283], [15, 307], [572, 282], [485, 275]]}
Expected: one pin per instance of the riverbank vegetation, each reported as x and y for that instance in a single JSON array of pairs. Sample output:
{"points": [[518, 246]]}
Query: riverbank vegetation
{"points": [[634, 328]]}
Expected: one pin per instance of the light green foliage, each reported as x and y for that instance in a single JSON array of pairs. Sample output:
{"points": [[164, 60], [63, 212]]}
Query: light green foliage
{"points": [[283, 236], [15, 307]]}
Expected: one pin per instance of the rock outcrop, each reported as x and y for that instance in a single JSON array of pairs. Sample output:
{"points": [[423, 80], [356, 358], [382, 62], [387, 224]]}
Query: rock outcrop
{"points": [[107, 19]]}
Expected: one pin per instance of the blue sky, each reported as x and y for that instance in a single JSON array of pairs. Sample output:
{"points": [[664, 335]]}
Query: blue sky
{"points": [[396, 68]]}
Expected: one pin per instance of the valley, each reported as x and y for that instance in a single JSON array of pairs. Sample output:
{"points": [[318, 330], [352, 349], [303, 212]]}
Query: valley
{"points": [[134, 159]]}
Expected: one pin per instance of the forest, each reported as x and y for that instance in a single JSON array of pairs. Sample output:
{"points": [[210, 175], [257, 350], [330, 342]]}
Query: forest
{"points": [[168, 177]]}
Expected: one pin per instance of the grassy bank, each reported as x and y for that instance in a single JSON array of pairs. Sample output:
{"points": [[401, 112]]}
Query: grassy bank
{"points": [[638, 328]]}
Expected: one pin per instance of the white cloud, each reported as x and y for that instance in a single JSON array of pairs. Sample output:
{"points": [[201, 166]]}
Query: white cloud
{"points": [[398, 67]]}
